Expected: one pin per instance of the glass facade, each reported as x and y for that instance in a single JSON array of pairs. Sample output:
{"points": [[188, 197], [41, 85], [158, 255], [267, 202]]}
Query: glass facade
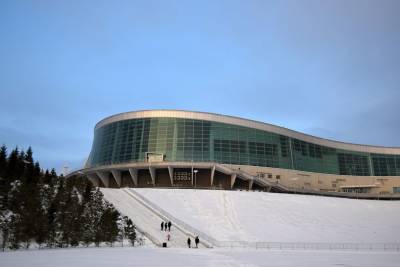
{"points": [[206, 141]]}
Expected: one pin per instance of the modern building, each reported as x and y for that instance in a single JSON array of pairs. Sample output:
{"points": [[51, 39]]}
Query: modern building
{"points": [[185, 149]]}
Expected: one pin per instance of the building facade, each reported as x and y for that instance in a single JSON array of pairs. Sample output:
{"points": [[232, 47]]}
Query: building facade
{"points": [[171, 148]]}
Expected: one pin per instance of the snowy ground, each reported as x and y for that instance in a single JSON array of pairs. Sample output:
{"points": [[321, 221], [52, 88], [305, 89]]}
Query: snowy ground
{"points": [[181, 257], [271, 217], [248, 216], [145, 219]]}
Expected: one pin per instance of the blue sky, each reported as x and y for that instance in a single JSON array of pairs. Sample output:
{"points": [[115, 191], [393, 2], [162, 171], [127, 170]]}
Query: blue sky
{"points": [[326, 68]]}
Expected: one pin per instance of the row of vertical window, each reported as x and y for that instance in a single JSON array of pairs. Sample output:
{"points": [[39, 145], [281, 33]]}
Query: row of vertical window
{"points": [[192, 139], [386, 165], [351, 164]]}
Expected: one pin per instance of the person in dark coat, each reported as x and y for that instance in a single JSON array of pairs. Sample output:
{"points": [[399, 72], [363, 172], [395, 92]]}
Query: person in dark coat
{"points": [[197, 240], [165, 226], [189, 241], [162, 226], [169, 226]]}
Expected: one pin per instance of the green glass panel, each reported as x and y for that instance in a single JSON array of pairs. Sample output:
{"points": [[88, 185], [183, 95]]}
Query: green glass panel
{"points": [[196, 140]]}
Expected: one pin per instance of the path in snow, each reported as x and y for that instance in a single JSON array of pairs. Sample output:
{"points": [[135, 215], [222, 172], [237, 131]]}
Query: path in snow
{"points": [[146, 220]]}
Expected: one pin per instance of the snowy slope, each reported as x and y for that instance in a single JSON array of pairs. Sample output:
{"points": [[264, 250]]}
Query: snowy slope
{"points": [[271, 217], [145, 219]]}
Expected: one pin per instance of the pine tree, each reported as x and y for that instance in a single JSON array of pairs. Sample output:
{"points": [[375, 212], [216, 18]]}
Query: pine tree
{"points": [[5, 225], [130, 230], [109, 224], [97, 207], [51, 209], [92, 204], [4, 188], [59, 207], [11, 171], [29, 156], [53, 177], [41, 229], [29, 174], [76, 221], [21, 166], [14, 239], [87, 194], [30, 213], [36, 170], [3, 161], [46, 178], [52, 225]]}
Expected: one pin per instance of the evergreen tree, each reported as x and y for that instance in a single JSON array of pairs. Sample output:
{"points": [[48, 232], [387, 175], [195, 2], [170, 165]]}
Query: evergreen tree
{"points": [[97, 209], [130, 230], [28, 157], [5, 225], [41, 231], [14, 232], [46, 178], [3, 183], [52, 228], [108, 224], [87, 194], [76, 220], [12, 166], [30, 213], [37, 172], [46, 208], [3, 161]]}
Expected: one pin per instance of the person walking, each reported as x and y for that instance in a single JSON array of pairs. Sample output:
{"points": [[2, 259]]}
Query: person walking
{"points": [[169, 226], [168, 236], [162, 226], [166, 226], [189, 241], [197, 240]]}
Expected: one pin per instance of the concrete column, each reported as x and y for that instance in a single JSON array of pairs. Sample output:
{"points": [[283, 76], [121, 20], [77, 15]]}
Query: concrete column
{"points": [[171, 174], [212, 174], [104, 178], [153, 174], [134, 176], [117, 176], [233, 179], [250, 184], [93, 178]]}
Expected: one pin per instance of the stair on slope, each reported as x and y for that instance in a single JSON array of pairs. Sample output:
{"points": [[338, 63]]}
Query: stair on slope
{"points": [[147, 219]]}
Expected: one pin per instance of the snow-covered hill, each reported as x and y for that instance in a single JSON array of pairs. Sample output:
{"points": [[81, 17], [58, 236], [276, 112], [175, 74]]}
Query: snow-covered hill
{"points": [[272, 217], [146, 220], [230, 215]]}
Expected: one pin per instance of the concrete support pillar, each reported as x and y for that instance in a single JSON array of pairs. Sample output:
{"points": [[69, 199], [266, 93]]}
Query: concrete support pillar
{"points": [[212, 174], [117, 176], [104, 178], [153, 175], [233, 179], [134, 176], [93, 178], [171, 174], [250, 184]]}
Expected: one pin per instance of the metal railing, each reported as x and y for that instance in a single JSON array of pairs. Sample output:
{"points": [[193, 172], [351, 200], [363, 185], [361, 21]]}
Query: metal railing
{"points": [[205, 239], [125, 243], [394, 247]]}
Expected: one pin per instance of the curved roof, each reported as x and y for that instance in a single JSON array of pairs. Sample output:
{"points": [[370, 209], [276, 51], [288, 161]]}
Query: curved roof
{"points": [[246, 123]]}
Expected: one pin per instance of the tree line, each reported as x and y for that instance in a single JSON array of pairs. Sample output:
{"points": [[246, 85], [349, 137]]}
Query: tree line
{"points": [[41, 207]]}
